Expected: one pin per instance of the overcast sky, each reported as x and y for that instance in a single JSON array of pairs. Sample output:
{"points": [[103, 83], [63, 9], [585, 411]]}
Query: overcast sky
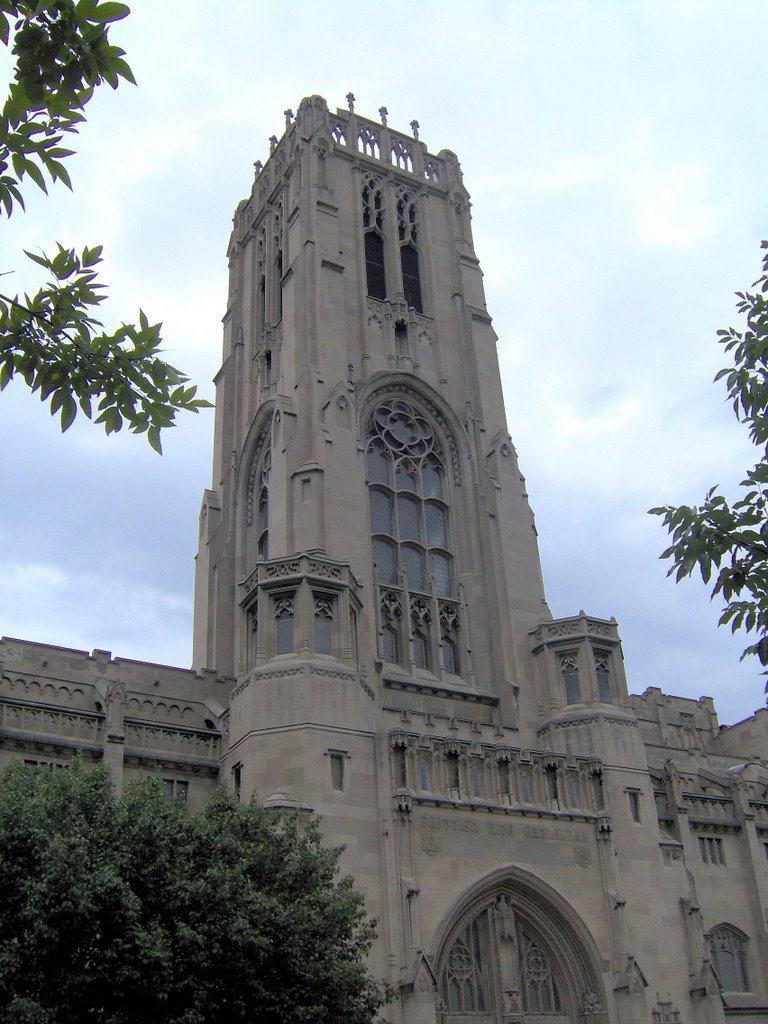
{"points": [[616, 157]]}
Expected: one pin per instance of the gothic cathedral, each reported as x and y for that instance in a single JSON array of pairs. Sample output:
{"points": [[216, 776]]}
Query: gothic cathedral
{"points": [[373, 646]]}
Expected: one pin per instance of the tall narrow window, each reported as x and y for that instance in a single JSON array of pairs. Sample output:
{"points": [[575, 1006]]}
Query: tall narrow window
{"points": [[540, 990], [553, 790], [449, 633], [400, 767], [375, 275], [284, 625], [323, 624], [505, 780], [262, 515], [603, 673], [634, 804], [570, 675], [261, 307], [465, 972], [409, 264], [279, 288], [391, 613], [337, 770], [373, 226], [421, 619], [453, 775]]}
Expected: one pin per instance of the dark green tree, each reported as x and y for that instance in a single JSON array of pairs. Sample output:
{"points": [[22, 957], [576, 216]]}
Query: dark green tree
{"points": [[131, 910], [727, 541], [52, 339]]}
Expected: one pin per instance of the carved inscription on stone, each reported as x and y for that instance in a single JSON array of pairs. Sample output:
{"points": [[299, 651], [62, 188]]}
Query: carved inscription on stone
{"points": [[434, 830]]}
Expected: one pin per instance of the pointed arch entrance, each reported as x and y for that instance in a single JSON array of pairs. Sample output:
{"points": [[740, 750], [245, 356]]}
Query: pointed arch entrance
{"points": [[514, 952]]}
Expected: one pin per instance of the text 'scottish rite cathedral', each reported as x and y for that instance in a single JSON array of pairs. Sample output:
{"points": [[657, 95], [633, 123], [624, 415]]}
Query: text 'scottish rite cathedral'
{"points": [[373, 644]]}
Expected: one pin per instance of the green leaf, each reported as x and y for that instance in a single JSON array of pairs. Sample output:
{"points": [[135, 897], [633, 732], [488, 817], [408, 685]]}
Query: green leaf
{"points": [[107, 12]]}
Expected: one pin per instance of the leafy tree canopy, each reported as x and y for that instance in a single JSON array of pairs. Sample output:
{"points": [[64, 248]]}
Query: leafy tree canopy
{"points": [[727, 541], [51, 339], [131, 910]]}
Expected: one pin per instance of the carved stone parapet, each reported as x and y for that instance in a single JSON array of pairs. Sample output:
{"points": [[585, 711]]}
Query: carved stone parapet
{"points": [[305, 565]]}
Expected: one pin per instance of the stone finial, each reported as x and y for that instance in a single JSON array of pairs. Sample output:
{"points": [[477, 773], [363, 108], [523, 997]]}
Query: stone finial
{"points": [[383, 115], [272, 143], [258, 167], [288, 117], [415, 129], [351, 102]]}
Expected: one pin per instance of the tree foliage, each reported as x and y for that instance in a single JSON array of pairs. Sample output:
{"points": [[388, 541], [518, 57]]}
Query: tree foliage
{"points": [[51, 339], [727, 541], [133, 911]]}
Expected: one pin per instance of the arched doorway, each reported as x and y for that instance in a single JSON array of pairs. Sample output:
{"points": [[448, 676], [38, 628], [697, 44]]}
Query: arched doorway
{"points": [[514, 952]]}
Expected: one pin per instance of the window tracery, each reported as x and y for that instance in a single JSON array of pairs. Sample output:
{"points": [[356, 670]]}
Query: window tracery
{"points": [[540, 992], [727, 949], [603, 673], [407, 216], [323, 624], [262, 511], [408, 505], [368, 141], [373, 226], [284, 613], [570, 672], [465, 982], [497, 963]]}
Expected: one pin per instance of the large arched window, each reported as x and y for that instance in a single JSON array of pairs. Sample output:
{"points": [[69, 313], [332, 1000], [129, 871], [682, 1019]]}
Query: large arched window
{"points": [[408, 499], [514, 956], [499, 964], [727, 949], [408, 502]]}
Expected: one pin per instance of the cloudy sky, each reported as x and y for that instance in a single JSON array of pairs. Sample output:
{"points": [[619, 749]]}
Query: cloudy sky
{"points": [[616, 154]]}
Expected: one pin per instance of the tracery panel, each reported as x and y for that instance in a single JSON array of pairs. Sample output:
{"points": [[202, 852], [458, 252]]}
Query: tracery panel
{"points": [[410, 536]]}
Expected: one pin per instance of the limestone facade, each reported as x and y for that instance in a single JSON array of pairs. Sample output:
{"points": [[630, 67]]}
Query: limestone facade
{"points": [[373, 644]]}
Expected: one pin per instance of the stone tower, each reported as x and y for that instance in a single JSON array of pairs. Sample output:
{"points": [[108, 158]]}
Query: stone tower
{"points": [[368, 575]]}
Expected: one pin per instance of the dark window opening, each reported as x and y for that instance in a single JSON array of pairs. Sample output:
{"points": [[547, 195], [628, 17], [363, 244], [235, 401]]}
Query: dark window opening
{"points": [[452, 767], [401, 338], [409, 263], [401, 768], [279, 287], [374, 265]]}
